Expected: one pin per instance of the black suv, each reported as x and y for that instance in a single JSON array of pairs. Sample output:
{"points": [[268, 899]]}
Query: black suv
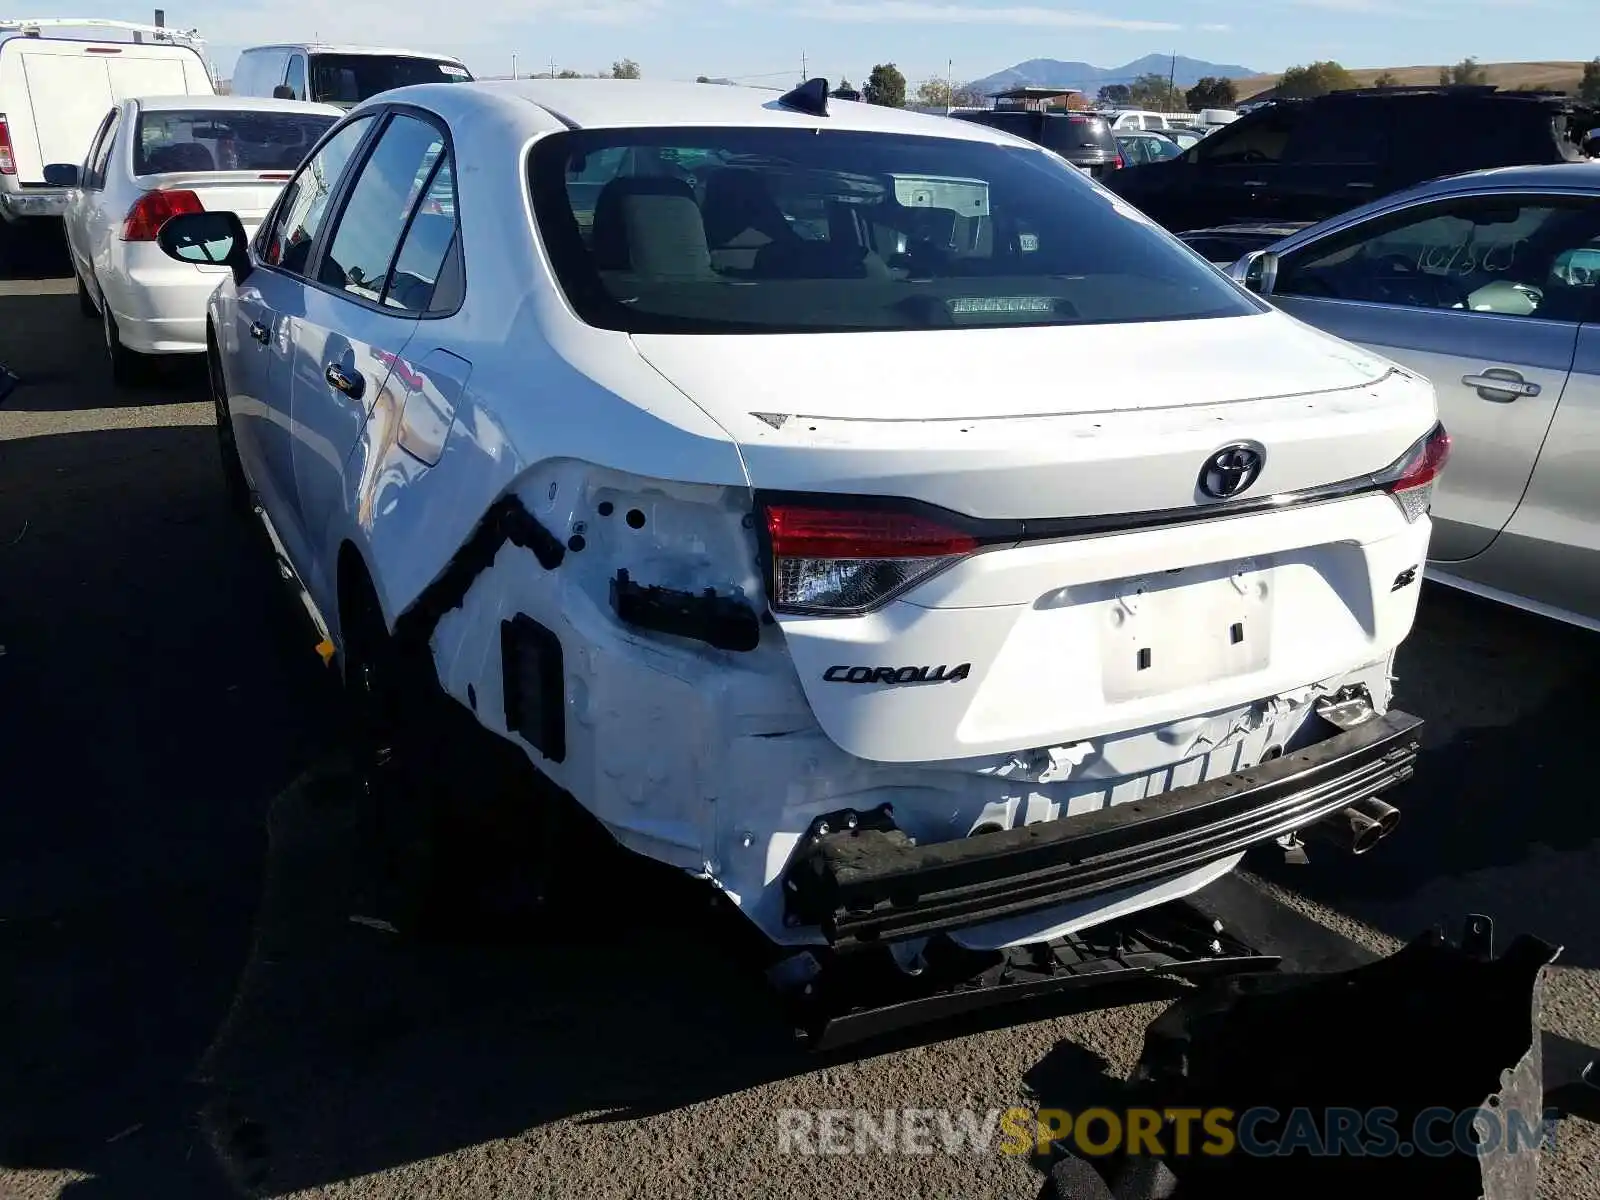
{"points": [[1083, 139], [1306, 160]]}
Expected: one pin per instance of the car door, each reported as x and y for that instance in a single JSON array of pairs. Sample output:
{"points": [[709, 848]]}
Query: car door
{"points": [[268, 313], [1235, 170], [1332, 163], [360, 312], [77, 214], [295, 76], [97, 223], [1466, 291]]}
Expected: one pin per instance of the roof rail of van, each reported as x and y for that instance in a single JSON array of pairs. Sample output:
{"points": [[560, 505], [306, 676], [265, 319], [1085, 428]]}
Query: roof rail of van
{"points": [[36, 27]]}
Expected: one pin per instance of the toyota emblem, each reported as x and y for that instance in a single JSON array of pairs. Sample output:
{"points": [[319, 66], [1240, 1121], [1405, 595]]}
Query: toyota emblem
{"points": [[1231, 470]]}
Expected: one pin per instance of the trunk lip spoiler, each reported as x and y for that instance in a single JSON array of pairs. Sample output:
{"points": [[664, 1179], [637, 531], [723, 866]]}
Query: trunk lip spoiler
{"points": [[866, 886]]}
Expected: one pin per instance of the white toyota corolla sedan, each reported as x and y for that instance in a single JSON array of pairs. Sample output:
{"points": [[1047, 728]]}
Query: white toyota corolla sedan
{"points": [[155, 157], [790, 480]]}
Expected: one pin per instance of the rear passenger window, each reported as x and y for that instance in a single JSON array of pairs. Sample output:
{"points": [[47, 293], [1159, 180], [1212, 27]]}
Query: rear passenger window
{"points": [[304, 206], [377, 213], [427, 277], [102, 156]]}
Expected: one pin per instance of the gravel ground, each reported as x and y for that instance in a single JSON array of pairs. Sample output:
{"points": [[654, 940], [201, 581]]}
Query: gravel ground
{"points": [[193, 1013]]}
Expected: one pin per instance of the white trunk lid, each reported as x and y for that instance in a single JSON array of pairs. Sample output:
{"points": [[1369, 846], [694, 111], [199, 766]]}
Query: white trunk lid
{"points": [[1154, 619]]}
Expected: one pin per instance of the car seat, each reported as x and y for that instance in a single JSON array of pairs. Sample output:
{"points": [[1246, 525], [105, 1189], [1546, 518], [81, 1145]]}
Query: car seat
{"points": [[651, 226]]}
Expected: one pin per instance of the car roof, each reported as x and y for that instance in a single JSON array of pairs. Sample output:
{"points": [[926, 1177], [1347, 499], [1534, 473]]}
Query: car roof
{"points": [[637, 103], [343, 48], [1581, 176], [207, 103]]}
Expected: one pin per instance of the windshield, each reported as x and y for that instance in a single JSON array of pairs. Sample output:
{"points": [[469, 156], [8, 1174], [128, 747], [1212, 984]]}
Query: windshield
{"points": [[198, 140], [771, 230], [351, 78]]}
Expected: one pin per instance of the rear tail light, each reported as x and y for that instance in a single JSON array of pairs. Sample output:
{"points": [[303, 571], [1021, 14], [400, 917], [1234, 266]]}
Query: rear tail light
{"points": [[1410, 480], [1118, 164], [8, 162], [832, 560], [154, 209]]}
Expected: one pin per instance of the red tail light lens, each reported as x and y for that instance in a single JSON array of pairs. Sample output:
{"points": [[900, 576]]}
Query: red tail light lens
{"points": [[832, 561], [1410, 480], [8, 162], [154, 209], [1119, 164]]}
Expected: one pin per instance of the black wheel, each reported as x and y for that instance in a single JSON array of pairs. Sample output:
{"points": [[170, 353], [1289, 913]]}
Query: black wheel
{"points": [[400, 779], [86, 301], [233, 479], [468, 841], [127, 367]]}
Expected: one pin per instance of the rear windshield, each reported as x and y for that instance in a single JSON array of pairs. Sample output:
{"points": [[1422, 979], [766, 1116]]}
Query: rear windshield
{"points": [[352, 78], [771, 230], [1072, 135], [197, 140]]}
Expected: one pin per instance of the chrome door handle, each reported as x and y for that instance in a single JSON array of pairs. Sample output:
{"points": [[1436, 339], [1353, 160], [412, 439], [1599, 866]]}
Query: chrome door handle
{"points": [[1500, 384], [1361, 185], [1254, 183], [350, 385], [260, 332]]}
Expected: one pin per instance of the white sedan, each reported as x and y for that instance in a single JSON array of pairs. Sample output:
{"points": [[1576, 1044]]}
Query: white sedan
{"points": [[151, 159], [731, 457]]}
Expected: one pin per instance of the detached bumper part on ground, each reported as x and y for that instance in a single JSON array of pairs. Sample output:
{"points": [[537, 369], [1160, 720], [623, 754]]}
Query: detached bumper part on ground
{"points": [[865, 881]]}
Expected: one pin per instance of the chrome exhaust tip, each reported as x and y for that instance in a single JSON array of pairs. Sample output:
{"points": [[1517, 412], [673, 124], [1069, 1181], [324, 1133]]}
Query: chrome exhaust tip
{"points": [[1358, 828]]}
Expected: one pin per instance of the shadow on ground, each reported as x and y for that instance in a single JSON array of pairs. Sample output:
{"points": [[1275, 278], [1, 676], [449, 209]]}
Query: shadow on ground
{"points": [[1504, 781], [158, 694], [59, 358]]}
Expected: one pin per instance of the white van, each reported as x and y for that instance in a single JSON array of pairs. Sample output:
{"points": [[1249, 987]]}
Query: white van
{"points": [[59, 78], [341, 75]]}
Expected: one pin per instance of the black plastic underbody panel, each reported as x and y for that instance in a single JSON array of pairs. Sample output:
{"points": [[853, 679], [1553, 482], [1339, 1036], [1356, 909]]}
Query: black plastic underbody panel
{"points": [[864, 885]]}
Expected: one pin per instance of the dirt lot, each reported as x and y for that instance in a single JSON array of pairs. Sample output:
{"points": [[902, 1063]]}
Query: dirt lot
{"points": [[188, 1010]]}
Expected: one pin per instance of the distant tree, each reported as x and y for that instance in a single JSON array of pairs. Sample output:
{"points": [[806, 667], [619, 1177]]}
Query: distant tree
{"points": [[626, 69], [939, 93], [1467, 71], [844, 91], [1211, 91], [1386, 79], [1114, 93], [1154, 91], [568, 73], [886, 86], [1589, 87], [702, 79], [1317, 79]]}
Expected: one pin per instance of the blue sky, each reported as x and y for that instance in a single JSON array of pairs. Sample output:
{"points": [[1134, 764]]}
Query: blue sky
{"points": [[761, 41]]}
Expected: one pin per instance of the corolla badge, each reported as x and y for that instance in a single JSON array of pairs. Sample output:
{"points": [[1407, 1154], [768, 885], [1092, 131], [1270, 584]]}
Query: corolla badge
{"points": [[1231, 470], [939, 674]]}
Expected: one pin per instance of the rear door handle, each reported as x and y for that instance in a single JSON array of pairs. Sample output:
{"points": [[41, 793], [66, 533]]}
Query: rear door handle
{"points": [[1254, 183], [350, 385], [260, 332], [1361, 185], [1500, 384]]}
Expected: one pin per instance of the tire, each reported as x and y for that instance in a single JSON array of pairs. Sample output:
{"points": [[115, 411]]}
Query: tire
{"points": [[398, 777], [464, 848], [86, 302], [127, 366], [240, 499]]}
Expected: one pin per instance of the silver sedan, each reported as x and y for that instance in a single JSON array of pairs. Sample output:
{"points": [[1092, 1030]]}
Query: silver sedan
{"points": [[1489, 284]]}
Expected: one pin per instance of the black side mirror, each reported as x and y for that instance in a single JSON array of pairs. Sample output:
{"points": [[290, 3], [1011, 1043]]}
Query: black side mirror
{"points": [[61, 175], [217, 238], [284, 92]]}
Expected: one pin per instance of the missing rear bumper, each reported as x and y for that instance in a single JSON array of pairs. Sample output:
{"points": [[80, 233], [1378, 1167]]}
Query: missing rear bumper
{"points": [[870, 883]]}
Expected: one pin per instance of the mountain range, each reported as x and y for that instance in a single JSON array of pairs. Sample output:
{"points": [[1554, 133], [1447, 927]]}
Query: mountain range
{"points": [[1051, 72]]}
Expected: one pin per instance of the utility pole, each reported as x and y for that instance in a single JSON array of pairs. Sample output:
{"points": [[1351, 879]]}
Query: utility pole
{"points": [[1172, 74], [513, 64], [949, 85], [803, 75]]}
